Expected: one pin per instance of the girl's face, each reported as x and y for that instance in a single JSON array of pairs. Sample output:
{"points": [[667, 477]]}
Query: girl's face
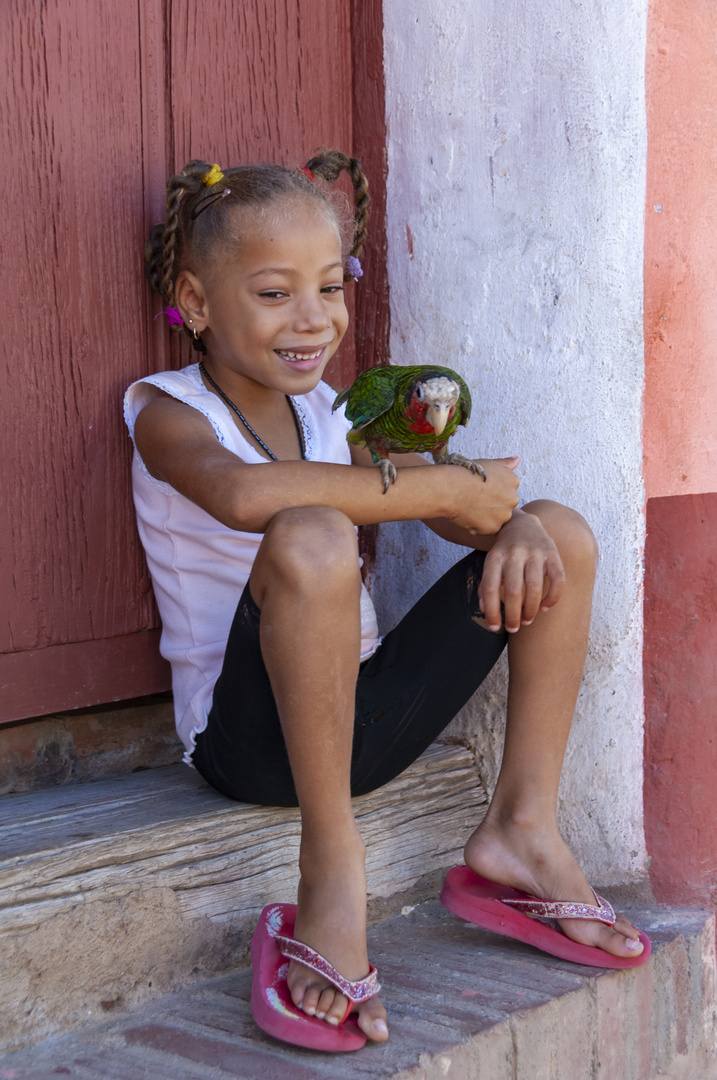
{"points": [[275, 314]]}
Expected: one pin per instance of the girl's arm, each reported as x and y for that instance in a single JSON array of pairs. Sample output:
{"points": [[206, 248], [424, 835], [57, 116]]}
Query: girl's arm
{"points": [[178, 445], [444, 527]]}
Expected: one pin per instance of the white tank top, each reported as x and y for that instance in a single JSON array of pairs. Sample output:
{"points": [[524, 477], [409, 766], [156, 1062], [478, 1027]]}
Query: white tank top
{"points": [[199, 567]]}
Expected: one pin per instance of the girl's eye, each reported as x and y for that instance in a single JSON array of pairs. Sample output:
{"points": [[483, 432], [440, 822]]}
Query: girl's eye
{"points": [[272, 294], [332, 289]]}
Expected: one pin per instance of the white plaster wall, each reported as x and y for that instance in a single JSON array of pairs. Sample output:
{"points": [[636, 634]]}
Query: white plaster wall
{"points": [[516, 146]]}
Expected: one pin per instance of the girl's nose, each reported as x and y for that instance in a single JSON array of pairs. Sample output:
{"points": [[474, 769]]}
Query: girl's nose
{"points": [[312, 315]]}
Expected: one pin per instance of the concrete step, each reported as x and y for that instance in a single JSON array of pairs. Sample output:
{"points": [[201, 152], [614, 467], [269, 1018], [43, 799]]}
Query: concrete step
{"points": [[463, 1004], [115, 891]]}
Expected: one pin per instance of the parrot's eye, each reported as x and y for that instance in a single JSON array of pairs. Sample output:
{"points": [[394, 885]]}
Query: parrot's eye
{"points": [[419, 391]]}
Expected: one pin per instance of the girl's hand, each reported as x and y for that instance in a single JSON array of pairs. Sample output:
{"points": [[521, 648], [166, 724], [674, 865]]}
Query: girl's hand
{"points": [[485, 509], [524, 570]]}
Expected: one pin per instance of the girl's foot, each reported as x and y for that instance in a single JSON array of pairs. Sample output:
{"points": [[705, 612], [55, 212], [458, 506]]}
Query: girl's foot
{"points": [[331, 918], [537, 860]]}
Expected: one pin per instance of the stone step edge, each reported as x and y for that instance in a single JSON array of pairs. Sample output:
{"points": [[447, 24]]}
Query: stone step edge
{"points": [[578, 1024]]}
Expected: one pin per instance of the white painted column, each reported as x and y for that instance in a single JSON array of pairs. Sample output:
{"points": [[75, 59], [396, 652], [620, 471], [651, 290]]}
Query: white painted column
{"points": [[516, 143]]}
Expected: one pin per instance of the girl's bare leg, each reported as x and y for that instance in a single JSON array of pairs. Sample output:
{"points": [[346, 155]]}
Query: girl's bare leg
{"points": [[518, 843], [306, 582]]}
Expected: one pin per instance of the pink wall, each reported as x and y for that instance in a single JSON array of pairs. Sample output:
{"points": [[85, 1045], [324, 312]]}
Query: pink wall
{"points": [[681, 249]]}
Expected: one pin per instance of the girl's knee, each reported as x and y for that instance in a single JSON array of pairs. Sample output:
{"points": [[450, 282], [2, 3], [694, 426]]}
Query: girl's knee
{"points": [[315, 542], [573, 536]]}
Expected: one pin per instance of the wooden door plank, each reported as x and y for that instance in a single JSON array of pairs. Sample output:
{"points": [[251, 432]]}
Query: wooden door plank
{"points": [[71, 121], [369, 137], [72, 676], [160, 349]]}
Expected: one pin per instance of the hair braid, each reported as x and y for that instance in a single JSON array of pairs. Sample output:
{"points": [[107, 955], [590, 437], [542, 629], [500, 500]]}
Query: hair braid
{"points": [[329, 164], [153, 254], [188, 182], [166, 242]]}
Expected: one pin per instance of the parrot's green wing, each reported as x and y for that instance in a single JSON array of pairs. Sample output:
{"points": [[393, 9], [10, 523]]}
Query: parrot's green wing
{"points": [[370, 396]]}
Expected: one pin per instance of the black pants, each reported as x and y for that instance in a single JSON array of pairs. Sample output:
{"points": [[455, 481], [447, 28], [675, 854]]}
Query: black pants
{"points": [[423, 673]]}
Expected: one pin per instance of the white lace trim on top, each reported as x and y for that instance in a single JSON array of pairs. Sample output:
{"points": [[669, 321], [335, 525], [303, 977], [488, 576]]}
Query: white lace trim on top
{"points": [[307, 426]]}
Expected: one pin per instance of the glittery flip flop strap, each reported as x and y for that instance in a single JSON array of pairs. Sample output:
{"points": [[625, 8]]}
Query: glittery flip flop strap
{"points": [[560, 909], [356, 992]]}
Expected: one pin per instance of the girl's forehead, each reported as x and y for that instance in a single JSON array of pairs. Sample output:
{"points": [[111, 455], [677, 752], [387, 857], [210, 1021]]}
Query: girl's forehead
{"points": [[290, 230]]}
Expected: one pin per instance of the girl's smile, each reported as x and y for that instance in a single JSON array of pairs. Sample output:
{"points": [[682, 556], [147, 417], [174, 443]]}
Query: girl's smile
{"points": [[304, 359], [273, 315]]}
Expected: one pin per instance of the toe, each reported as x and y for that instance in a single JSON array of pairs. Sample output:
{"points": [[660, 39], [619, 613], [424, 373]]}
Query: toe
{"points": [[624, 926], [306, 997], [331, 1003], [620, 944], [621, 940], [335, 1010], [372, 1020], [303, 987]]}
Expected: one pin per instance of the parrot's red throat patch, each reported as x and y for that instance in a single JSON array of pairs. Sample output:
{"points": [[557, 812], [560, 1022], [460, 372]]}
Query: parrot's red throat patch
{"points": [[416, 417]]}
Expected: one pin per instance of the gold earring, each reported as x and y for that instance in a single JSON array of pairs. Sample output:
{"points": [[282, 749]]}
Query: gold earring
{"points": [[198, 342]]}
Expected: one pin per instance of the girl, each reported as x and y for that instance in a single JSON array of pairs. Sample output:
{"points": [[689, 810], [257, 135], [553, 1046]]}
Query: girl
{"points": [[248, 498]]}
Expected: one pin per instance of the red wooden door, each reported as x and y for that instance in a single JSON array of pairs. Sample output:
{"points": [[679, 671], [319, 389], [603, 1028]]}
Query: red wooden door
{"points": [[99, 104]]}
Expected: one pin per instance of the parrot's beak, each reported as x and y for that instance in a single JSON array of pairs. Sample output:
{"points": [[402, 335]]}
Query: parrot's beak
{"points": [[437, 416]]}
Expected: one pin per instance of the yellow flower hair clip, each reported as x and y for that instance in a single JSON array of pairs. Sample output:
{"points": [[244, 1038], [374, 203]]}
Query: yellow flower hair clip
{"points": [[213, 177]]}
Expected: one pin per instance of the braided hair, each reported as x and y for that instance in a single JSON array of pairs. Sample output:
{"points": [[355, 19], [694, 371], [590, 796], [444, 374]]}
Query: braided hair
{"points": [[201, 202], [329, 164]]}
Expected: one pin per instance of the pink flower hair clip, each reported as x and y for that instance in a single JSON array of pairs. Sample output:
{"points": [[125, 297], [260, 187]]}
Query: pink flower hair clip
{"points": [[173, 317]]}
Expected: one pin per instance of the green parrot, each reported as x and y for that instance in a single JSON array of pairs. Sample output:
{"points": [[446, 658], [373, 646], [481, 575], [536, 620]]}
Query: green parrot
{"points": [[401, 410]]}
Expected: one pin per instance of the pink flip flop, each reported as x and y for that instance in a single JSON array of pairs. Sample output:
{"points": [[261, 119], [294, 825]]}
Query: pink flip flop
{"points": [[508, 912], [272, 946]]}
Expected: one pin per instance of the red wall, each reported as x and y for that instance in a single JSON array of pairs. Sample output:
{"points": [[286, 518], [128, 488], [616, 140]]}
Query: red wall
{"points": [[681, 698]]}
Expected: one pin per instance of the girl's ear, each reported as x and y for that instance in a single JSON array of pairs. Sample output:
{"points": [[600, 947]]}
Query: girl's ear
{"points": [[190, 299]]}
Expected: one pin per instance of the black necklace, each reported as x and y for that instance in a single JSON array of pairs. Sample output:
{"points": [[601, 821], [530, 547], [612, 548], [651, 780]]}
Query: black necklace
{"points": [[247, 425]]}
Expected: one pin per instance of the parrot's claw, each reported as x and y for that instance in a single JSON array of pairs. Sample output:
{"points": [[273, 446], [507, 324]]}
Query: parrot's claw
{"points": [[388, 473], [467, 463]]}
